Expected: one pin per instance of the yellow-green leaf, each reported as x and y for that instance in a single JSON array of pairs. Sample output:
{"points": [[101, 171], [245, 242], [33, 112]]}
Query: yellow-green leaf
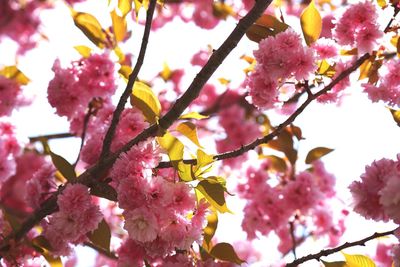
{"points": [[358, 261], [211, 228], [83, 50], [225, 252], [188, 129], [203, 159], [119, 26], [166, 73], [146, 101], [284, 143], [265, 26], [334, 264], [90, 26], [173, 146], [193, 115], [365, 68], [125, 6], [324, 68], [101, 236], [214, 193], [277, 163], [63, 166], [125, 71], [396, 115], [13, 73], [311, 23], [317, 153], [185, 171]]}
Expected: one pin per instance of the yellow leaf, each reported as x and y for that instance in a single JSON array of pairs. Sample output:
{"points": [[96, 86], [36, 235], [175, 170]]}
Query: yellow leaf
{"points": [[358, 261], [203, 159], [277, 163], [193, 115], [396, 115], [382, 3], [214, 193], [211, 228], [188, 129], [352, 52], [365, 68], [101, 237], [125, 6], [173, 146], [311, 23], [225, 252], [145, 100], [62, 165], [222, 10], [334, 264], [317, 153], [185, 171], [119, 26], [83, 50], [224, 81], [90, 26], [125, 71], [166, 73], [325, 69], [13, 73], [121, 57]]}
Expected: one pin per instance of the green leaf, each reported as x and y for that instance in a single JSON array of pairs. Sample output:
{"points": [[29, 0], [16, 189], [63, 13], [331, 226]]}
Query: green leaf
{"points": [[119, 26], [395, 115], [225, 252], [211, 228], [358, 261], [83, 50], [13, 73], [173, 146], [334, 263], [311, 23], [214, 193], [101, 236], [188, 129], [193, 115], [63, 166], [265, 26], [90, 26], [125, 6], [317, 153], [146, 101]]}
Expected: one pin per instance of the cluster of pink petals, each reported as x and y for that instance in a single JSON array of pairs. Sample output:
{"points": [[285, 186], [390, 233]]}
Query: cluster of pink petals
{"points": [[358, 27], [72, 88], [384, 254], [20, 22], [388, 90], [9, 150], [40, 185], [155, 207], [76, 217], [10, 96], [278, 58], [377, 195], [269, 208], [239, 131]]}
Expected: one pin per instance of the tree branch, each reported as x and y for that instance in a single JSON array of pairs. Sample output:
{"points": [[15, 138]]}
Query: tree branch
{"points": [[108, 254], [327, 252], [50, 136], [287, 122], [131, 80], [88, 177]]}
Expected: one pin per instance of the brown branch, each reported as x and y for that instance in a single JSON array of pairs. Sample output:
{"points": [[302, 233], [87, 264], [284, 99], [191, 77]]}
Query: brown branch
{"points": [[50, 136], [287, 122], [131, 80], [396, 11], [88, 177], [89, 113], [292, 235], [327, 252]]}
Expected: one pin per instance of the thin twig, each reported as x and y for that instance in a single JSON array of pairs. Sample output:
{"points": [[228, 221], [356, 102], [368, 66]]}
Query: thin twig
{"points": [[292, 235], [327, 252], [88, 177], [50, 136], [131, 80], [85, 125], [287, 122], [108, 254]]}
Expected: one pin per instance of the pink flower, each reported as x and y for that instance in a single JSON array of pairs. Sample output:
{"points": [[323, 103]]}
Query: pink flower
{"points": [[130, 254], [203, 15], [38, 188], [383, 254], [325, 48], [200, 58], [75, 198], [141, 225], [10, 96], [396, 255], [390, 198]]}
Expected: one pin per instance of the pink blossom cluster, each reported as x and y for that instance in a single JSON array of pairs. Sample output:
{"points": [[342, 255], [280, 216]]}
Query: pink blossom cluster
{"points": [[358, 27], [10, 96], [278, 58], [20, 21], [239, 131], [271, 207], [72, 88], [376, 196], [76, 217], [156, 208], [9, 150], [388, 89], [40, 186]]}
